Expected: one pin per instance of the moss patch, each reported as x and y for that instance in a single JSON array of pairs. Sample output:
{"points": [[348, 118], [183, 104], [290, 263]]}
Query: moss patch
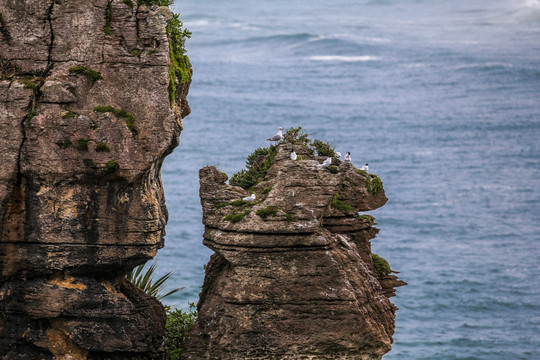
{"points": [[234, 218], [342, 205], [112, 165], [333, 169], [64, 143], [119, 113], [381, 265], [88, 73], [82, 144], [89, 162], [108, 18], [367, 218], [373, 184], [235, 203], [69, 114], [102, 147], [267, 211]]}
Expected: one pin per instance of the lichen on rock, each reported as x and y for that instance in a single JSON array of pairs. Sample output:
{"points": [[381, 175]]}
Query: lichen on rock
{"points": [[81, 199], [292, 278]]}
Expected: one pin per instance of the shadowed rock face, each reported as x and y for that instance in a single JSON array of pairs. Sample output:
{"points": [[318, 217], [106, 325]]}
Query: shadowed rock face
{"points": [[298, 283], [81, 199]]}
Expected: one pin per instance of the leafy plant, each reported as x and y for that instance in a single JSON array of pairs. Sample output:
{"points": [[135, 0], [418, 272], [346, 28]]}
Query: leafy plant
{"points": [[180, 66], [156, 2], [297, 136], [367, 218], [90, 74], [323, 148], [381, 265], [256, 170], [373, 184], [145, 281], [177, 328]]}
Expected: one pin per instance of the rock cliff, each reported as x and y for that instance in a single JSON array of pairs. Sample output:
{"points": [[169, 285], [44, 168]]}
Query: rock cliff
{"points": [[292, 276], [90, 105]]}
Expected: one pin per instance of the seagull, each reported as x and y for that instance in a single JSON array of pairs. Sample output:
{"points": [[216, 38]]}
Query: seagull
{"points": [[347, 157], [365, 167], [249, 198], [278, 136], [293, 155], [338, 154], [327, 162]]}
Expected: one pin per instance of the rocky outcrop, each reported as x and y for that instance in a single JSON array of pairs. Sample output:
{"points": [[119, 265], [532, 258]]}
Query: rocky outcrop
{"points": [[85, 123], [292, 276]]}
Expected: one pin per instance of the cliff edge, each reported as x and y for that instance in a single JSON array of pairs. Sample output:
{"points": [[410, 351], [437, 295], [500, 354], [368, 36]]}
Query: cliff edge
{"points": [[293, 276], [91, 102]]}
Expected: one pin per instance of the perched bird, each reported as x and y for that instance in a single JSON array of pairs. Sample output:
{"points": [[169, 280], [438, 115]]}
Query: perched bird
{"points": [[278, 136], [338, 154], [365, 167], [327, 162], [249, 198], [347, 157], [293, 155]]}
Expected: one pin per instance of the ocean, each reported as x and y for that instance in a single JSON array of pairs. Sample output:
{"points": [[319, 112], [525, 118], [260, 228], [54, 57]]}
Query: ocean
{"points": [[441, 98]]}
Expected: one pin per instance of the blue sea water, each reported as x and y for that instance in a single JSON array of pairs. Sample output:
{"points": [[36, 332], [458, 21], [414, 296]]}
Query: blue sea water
{"points": [[441, 98]]}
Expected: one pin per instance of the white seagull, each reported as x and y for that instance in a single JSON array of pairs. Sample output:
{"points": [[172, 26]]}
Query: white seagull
{"points": [[293, 155], [249, 198], [338, 154], [347, 157], [365, 167], [277, 136], [327, 162]]}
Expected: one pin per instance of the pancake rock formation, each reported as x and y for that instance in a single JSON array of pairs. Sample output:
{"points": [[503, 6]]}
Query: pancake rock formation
{"points": [[292, 276], [88, 112]]}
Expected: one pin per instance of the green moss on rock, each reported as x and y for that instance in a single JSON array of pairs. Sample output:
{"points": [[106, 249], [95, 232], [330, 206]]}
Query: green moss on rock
{"points": [[234, 218], [381, 265]]}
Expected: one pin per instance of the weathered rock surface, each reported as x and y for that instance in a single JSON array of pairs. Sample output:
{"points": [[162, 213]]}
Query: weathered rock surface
{"points": [[299, 283], [81, 199]]}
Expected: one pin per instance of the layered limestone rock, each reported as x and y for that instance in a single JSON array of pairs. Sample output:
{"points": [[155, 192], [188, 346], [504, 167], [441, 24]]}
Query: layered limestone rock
{"points": [[85, 123], [292, 276]]}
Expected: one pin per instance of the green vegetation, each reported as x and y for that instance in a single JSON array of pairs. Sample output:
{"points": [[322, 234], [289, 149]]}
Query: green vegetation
{"points": [[128, 3], [381, 265], [289, 218], [145, 281], [373, 184], [267, 189], [64, 144], [177, 328], [82, 144], [267, 211], [342, 205], [156, 2], [323, 148], [151, 52], [136, 52], [234, 218], [4, 30], [102, 147], [90, 74], [333, 169], [112, 165], [297, 137], [258, 164], [30, 83], [119, 113], [367, 218], [108, 18], [30, 115], [69, 114], [180, 66]]}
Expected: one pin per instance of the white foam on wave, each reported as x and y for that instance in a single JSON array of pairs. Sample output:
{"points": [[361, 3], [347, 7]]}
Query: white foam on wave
{"points": [[337, 58]]}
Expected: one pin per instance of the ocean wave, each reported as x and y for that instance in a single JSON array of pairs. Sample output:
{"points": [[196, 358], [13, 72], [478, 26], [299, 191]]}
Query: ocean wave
{"points": [[342, 58]]}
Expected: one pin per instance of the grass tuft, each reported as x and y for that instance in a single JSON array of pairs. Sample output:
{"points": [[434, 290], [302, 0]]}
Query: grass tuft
{"points": [[119, 113], [112, 165], [381, 265], [82, 144], [90, 74], [234, 218], [333, 169], [267, 211], [102, 147], [342, 205]]}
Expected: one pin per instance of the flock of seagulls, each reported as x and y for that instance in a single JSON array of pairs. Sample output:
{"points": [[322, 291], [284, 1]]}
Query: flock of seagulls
{"points": [[293, 156]]}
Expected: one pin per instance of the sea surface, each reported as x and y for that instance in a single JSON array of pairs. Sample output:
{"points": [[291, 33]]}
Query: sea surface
{"points": [[441, 98]]}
